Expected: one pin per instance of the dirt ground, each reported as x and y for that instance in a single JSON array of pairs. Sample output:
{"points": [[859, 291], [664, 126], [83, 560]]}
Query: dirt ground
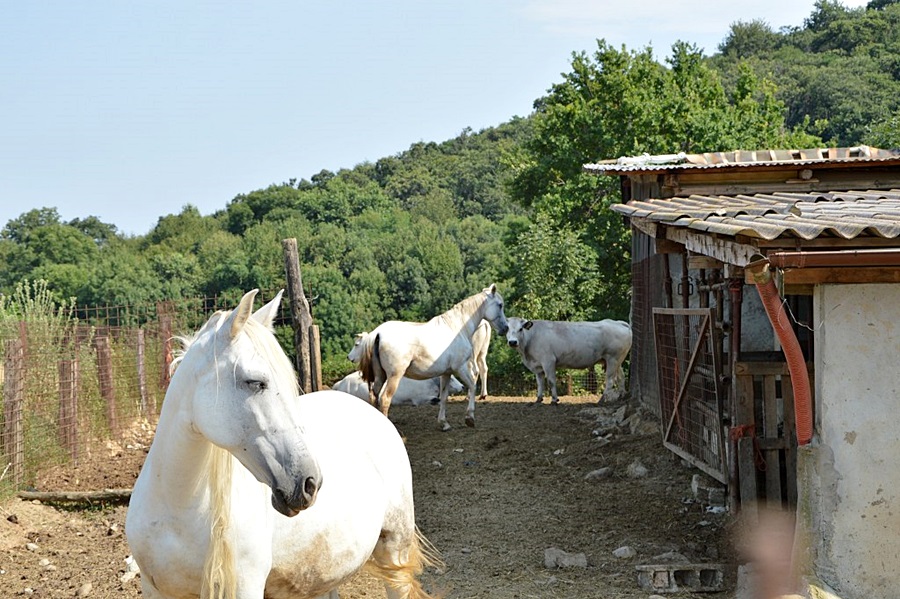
{"points": [[491, 499]]}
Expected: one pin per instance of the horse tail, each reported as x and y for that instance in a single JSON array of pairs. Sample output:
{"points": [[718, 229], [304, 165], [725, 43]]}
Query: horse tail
{"points": [[404, 577], [369, 361], [219, 569]]}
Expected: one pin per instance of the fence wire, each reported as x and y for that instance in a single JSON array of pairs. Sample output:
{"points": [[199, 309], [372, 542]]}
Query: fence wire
{"points": [[75, 390]]}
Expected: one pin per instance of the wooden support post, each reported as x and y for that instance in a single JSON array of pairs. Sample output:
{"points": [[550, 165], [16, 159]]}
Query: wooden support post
{"points": [[142, 374], [165, 333], [13, 432], [743, 434], [315, 357], [68, 406], [301, 318], [107, 383]]}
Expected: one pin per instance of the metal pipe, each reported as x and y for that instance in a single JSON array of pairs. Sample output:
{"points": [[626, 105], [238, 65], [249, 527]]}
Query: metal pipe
{"points": [[771, 299]]}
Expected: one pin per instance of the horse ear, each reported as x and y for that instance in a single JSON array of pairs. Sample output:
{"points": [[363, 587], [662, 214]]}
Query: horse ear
{"points": [[266, 315], [241, 314], [491, 290]]}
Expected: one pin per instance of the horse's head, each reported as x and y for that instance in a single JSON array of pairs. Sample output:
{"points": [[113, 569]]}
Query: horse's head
{"points": [[245, 401], [355, 354], [493, 309]]}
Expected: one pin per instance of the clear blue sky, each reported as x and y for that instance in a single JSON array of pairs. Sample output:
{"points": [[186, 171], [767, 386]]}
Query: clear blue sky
{"points": [[130, 110]]}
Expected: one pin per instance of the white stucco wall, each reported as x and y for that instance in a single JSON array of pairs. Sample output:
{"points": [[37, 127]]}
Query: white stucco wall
{"points": [[849, 478]]}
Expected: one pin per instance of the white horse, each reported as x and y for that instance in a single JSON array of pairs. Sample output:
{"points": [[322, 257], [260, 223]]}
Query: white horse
{"points": [[233, 437], [422, 350]]}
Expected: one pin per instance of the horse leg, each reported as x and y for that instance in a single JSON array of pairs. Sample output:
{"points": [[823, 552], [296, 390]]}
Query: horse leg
{"points": [[468, 378], [388, 391], [482, 372], [442, 410], [399, 558]]}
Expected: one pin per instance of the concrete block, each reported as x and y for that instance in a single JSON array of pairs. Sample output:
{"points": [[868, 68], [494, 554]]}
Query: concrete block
{"points": [[674, 578]]}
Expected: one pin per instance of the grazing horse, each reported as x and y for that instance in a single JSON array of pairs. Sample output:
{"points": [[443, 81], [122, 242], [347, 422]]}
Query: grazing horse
{"points": [[422, 350], [234, 441]]}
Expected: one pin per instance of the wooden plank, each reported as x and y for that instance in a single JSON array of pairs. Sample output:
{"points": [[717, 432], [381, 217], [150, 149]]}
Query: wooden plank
{"points": [[723, 250], [747, 468], [86, 497], [772, 456], [107, 381], [745, 420], [698, 262], [644, 226], [790, 439], [842, 275], [666, 246], [760, 368], [694, 461]]}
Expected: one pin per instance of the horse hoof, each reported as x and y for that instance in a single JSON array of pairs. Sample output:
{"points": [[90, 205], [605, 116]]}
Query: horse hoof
{"points": [[555, 402], [445, 427], [470, 422], [482, 397]]}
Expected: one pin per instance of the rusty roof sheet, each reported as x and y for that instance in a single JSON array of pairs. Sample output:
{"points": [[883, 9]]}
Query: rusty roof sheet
{"points": [[844, 214], [743, 159]]}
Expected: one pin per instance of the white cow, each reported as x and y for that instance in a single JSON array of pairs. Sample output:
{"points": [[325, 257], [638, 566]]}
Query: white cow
{"points": [[546, 345], [410, 391]]}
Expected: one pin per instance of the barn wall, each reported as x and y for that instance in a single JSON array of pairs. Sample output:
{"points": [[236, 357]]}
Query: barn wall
{"points": [[849, 481]]}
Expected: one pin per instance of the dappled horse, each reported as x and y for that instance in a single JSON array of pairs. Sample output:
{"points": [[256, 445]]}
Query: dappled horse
{"points": [[234, 441], [422, 350]]}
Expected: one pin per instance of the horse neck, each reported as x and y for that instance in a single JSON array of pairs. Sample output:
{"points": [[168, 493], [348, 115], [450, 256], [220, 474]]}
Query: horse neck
{"points": [[466, 315], [179, 457]]}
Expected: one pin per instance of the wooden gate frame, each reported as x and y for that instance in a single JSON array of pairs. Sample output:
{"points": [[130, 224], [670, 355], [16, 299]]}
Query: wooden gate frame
{"points": [[707, 331]]}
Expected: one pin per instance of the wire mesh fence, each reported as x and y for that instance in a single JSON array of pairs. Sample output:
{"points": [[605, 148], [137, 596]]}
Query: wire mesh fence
{"points": [[73, 385], [72, 382], [691, 403]]}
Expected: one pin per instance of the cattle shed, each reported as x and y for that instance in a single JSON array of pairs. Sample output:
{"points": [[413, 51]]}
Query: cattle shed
{"points": [[766, 318]]}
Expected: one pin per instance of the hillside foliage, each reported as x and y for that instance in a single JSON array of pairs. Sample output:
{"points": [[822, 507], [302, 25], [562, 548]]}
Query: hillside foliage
{"points": [[409, 235]]}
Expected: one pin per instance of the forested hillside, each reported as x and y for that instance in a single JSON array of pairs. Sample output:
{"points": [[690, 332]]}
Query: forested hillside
{"points": [[411, 234]]}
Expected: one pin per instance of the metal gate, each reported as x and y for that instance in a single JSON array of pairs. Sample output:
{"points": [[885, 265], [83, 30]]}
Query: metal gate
{"points": [[691, 405]]}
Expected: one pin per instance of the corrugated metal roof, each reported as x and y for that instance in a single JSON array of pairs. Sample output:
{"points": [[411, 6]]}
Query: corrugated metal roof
{"points": [[844, 214], [742, 159]]}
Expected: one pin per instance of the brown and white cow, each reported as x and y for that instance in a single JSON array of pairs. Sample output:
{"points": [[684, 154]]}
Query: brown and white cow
{"points": [[545, 345]]}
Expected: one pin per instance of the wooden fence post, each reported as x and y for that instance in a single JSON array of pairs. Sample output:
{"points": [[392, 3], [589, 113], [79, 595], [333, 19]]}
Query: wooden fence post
{"points": [[142, 374], [68, 406], [301, 318], [107, 383], [13, 433], [315, 357]]}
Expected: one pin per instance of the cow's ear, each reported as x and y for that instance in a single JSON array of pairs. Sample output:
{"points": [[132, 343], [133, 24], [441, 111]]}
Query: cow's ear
{"points": [[528, 324]]}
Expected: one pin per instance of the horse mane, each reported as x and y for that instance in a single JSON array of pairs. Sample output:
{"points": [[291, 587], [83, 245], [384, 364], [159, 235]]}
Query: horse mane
{"points": [[219, 567], [465, 307]]}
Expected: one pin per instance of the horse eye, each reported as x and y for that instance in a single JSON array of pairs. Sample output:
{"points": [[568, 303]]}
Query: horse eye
{"points": [[256, 386]]}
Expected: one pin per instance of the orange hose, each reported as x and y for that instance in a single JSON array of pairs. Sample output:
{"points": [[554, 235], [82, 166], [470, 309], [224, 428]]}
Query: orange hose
{"points": [[768, 293]]}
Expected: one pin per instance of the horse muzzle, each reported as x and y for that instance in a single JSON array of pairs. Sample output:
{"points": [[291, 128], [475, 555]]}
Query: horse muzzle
{"points": [[302, 496]]}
